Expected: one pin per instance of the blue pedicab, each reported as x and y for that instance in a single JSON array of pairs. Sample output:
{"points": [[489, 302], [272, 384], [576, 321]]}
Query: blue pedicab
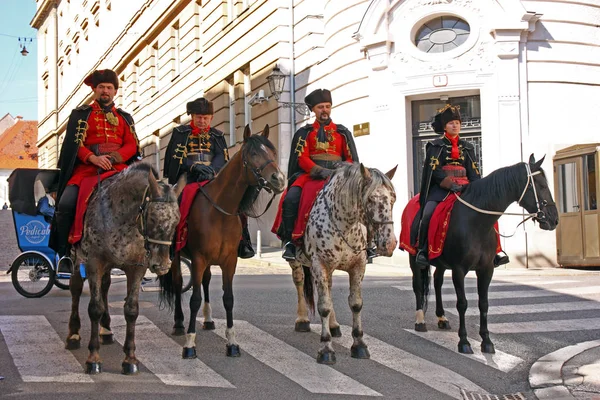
{"points": [[34, 270]]}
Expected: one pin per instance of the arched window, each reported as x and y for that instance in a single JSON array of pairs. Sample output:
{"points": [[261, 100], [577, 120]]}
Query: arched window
{"points": [[442, 34]]}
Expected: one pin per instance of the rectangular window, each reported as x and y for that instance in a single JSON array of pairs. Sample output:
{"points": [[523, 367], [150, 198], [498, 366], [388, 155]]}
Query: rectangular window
{"points": [[121, 93], [176, 46], [230, 11], [231, 101], [567, 188], [247, 95], [135, 82], [589, 182], [154, 70]]}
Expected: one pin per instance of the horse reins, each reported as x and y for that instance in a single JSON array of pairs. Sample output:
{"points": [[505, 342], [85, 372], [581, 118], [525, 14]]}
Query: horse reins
{"points": [[143, 208]]}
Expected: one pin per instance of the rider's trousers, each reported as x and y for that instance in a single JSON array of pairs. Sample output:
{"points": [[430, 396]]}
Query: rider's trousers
{"points": [[65, 215], [424, 227], [289, 211]]}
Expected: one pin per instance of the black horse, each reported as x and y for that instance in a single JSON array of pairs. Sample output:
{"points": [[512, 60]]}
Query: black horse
{"points": [[471, 241]]}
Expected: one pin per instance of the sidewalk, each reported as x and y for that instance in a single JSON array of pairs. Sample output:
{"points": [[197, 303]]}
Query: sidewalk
{"points": [[571, 373]]}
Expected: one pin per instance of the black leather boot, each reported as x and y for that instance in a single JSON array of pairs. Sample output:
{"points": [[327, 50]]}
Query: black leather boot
{"points": [[289, 252], [500, 259], [64, 221], [422, 259], [245, 249]]}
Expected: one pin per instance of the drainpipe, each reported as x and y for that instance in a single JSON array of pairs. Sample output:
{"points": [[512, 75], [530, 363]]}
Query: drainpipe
{"points": [[292, 71]]}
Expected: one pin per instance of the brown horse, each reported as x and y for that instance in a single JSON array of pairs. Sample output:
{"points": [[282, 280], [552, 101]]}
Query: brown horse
{"points": [[214, 230]]}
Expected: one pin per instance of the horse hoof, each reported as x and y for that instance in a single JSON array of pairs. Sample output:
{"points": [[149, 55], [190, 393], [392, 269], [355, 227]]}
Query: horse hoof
{"points": [[93, 368], [360, 352], [188, 352], [336, 332], [444, 325], [72, 344], [208, 325], [465, 349], [326, 358], [421, 327], [233, 350], [178, 332], [107, 339], [302, 326], [488, 348], [129, 369]]}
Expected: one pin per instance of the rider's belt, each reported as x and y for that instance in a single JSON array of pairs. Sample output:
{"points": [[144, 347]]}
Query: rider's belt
{"points": [[326, 160], [327, 164], [457, 173], [200, 158], [103, 148]]}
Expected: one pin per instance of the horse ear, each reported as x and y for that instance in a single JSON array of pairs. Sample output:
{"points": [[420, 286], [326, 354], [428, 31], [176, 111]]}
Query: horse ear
{"points": [[538, 164], [153, 184], [180, 184], [247, 132], [390, 174], [531, 159], [365, 172], [265, 131]]}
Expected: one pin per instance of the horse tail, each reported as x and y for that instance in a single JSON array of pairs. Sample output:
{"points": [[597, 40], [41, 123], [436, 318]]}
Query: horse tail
{"points": [[309, 293], [167, 291], [426, 282]]}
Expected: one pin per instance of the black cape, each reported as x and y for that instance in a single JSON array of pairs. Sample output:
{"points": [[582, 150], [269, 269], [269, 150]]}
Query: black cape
{"points": [[294, 170], [174, 167]]}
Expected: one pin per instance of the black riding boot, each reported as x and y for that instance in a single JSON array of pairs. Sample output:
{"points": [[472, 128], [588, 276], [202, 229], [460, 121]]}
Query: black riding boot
{"points": [[501, 259], [245, 249], [64, 220], [289, 213], [422, 258]]}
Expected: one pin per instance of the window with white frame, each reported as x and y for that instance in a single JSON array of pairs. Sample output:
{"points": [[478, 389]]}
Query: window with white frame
{"points": [[135, 82], [231, 102], [176, 47], [247, 95], [154, 69], [230, 10]]}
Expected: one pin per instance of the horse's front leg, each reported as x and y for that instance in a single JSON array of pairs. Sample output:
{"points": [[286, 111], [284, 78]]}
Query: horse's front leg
{"points": [[178, 327], [334, 326], [228, 268], [438, 281], [321, 278], [106, 336], [458, 278], [359, 348], [302, 321], [198, 266], [76, 287], [95, 272], [420, 284], [208, 323], [131, 310], [484, 277]]}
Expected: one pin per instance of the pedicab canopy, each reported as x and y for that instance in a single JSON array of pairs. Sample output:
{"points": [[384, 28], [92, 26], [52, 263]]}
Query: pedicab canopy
{"points": [[21, 183]]}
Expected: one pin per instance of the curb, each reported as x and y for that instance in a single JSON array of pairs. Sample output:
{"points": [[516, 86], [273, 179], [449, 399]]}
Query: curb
{"points": [[545, 375]]}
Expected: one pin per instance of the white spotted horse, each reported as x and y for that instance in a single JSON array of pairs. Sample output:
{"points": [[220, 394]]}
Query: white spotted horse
{"points": [[214, 232], [129, 223], [356, 204], [470, 243]]}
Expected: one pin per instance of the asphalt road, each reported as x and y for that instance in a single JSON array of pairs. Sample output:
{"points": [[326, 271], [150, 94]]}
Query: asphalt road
{"points": [[531, 314]]}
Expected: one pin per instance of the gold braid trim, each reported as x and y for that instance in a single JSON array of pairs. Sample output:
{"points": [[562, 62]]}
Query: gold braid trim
{"points": [[81, 132]]}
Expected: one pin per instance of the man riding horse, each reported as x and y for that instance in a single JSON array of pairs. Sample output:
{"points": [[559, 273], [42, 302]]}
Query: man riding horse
{"points": [[317, 149], [450, 165], [201, 151], [99, 138]]}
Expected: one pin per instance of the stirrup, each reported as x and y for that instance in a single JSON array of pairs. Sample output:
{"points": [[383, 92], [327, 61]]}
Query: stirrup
{"points": [[68, 267], [289, 253], [501, 260]]}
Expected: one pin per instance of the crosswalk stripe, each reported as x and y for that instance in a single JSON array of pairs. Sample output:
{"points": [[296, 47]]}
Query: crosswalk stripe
{"points": [[435, 376], [472, 283], [590, 292], [162, 355], [533, 308], [565, 325], [49, 362], [293, 363], [502, 361]]}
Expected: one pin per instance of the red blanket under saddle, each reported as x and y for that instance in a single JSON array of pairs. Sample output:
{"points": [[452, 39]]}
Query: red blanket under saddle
{"points": [[307, 200], [86, 188], [438, 226], [187, 198]]}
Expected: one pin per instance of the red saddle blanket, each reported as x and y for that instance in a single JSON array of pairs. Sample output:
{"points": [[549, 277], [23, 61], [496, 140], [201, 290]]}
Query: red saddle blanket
{"points": [[438, 226], [187, 198], [86, 189], [307, 199]]}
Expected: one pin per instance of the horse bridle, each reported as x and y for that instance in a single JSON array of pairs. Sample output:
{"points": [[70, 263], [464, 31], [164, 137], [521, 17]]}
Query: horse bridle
{"points": [[261, 184], [143, 218]]}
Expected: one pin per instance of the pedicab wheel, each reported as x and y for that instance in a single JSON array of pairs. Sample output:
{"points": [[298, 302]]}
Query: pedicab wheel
{"points": [[62, 281], [186, 274], [32, 275]]}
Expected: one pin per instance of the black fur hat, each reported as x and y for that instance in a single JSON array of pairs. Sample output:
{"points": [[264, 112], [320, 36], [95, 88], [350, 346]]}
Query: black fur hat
{"points": [[318, 96], [102, 76], [445, 115], [200, 106]]}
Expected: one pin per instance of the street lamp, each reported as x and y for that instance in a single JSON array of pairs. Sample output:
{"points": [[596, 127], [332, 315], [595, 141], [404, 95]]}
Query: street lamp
{"points": [[276, 80], [24, 51]]}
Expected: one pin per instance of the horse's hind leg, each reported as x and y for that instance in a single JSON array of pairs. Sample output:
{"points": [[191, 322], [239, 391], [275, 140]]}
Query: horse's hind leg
{"points": [[458, 278], [94, 270], [208, 324], [359, 348], [178, 327], [106, 336], [438, 281], [484, 277], [228, 268], [334, 326], [322, 277], [302, 321], [131, 310], [75, 286], [420, 284]]}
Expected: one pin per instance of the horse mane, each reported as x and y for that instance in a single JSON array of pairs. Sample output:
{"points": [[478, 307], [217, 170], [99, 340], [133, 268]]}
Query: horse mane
{"points": [[496, 185], [352, 190], [251, 146]]}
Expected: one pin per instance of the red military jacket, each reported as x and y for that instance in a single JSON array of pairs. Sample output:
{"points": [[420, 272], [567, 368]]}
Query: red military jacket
{"points": [[105, 134]]}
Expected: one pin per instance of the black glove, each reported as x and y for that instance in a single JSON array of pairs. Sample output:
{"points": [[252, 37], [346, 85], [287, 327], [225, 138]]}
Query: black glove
{"points": [[458, 188], [202, 172], [320, 173]]}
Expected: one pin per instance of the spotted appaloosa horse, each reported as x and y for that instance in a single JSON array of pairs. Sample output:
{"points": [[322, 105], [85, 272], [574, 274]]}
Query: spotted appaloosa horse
{"points": [[355, 205], [471, 241], [129, 224]]}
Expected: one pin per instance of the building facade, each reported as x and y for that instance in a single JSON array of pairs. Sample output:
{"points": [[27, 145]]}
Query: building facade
{"points": [[525, 73]]}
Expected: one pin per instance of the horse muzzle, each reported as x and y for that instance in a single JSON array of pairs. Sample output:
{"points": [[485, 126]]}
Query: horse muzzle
{"points": [[387, 248], [160, 269]]}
